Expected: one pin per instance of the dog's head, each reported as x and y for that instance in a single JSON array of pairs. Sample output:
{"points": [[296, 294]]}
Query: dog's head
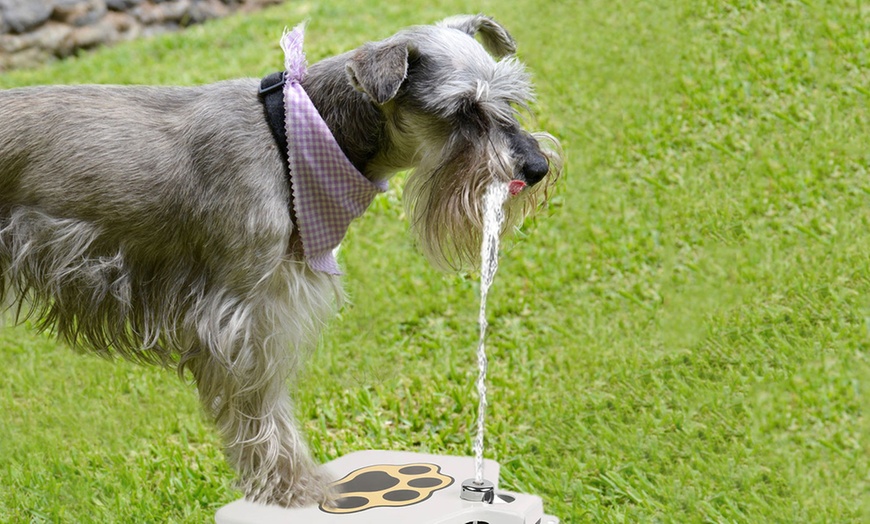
{"points": [[452, 105]]}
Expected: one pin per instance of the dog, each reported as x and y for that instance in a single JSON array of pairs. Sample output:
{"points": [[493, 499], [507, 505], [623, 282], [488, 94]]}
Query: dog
{"points": [[158, 224]]}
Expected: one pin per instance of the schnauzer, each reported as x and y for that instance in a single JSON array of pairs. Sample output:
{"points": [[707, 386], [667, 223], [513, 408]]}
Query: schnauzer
{"points": [[193, 227]]}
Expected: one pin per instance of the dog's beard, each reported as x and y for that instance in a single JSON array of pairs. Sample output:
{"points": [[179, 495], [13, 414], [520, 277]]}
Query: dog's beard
{"points": [[444, 198]]}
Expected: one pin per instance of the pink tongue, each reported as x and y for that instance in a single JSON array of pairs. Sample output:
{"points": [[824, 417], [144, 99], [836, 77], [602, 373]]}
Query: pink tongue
{"points": [[516, 186]]}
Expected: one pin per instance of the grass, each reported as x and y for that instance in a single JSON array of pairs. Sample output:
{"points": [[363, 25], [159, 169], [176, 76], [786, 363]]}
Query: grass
{"points": [[682, 336]]}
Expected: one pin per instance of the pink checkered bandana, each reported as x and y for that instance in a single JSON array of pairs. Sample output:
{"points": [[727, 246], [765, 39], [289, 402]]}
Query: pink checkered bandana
{"points": [[328, 191]]}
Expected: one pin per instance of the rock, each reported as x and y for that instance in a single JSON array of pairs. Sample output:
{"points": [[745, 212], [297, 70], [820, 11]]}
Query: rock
{"points": [[48, 36], [146, 13], [125, 25], [23, 15], [253, 5], [78, 12], [122, 22], [64, 4], [122, 5], [175, 11], [51, 36], [155, 30], [151, 13], [207, 10], [31, 57], [10, 44], [35, 30], [93, 35]]}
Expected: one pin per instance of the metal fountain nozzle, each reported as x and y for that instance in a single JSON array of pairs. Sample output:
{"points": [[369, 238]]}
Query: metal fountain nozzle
{"points": [[474, 491]]}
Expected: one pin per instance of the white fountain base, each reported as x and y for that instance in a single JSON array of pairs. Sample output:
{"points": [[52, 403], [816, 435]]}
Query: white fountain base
{"points": [[383, 487]]}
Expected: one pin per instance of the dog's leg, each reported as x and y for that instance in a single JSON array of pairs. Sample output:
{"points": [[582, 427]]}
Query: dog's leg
{"points": [[262, 441], [246, 355]]}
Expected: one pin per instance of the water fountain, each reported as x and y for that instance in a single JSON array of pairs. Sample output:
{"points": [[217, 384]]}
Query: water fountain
{"points": [[387, 487]]}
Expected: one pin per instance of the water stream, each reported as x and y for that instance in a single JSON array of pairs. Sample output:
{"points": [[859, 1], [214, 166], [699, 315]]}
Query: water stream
{"points": [[493, 216]]}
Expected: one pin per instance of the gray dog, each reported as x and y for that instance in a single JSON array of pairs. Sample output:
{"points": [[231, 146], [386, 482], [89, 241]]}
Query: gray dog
{"points": [[158, 223]]}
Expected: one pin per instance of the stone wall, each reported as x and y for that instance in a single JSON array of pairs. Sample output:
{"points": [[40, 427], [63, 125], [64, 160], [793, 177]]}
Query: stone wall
{"points": [[33, 31]]}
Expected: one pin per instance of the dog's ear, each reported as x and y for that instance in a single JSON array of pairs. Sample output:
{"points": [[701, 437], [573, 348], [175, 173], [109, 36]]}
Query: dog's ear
{"points": [[494, 37], [378, 69]]}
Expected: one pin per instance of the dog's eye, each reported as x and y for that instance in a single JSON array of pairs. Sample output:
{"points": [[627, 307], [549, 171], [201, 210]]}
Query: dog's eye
{"points": [[469, 112]]}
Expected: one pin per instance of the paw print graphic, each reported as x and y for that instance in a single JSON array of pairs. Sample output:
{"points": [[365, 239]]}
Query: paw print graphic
{"points": [[386, 485]]}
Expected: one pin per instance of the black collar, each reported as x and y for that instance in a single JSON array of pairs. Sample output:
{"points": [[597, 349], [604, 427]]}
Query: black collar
{"points": [[272, 96]]}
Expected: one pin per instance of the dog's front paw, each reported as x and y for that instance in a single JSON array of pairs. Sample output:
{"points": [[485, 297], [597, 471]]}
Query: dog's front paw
{"points": [[312, 488]]}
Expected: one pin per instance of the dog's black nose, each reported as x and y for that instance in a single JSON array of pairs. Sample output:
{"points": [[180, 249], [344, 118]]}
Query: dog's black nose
{"points": [[533, 165], [535, 168]]}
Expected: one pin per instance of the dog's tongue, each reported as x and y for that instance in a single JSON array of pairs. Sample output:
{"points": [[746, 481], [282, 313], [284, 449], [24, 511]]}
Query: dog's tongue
{"points": [[515, 187]]}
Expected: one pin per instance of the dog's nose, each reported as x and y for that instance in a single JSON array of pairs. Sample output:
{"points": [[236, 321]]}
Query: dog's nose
{"points": [[533, 165], [535, 168]]}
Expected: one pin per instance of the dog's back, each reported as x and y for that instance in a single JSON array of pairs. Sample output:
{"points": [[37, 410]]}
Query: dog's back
{"points": [[111, 154], [108, 192]]}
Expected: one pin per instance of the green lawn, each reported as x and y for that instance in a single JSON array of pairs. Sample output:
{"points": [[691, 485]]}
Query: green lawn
{"points": [[682, 336]]}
